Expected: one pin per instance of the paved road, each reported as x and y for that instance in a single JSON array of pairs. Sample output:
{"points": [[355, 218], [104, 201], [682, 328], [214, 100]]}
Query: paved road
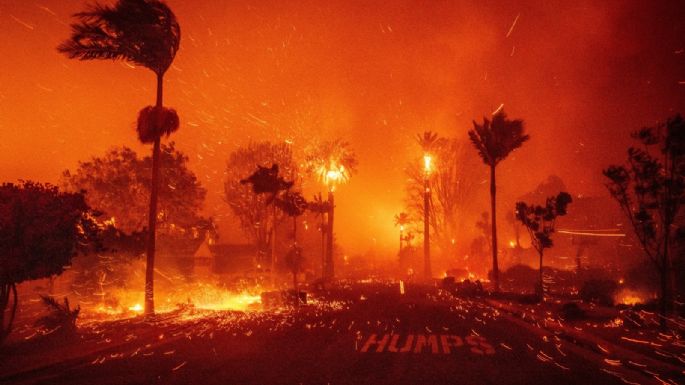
{"points": [[370, 334]]}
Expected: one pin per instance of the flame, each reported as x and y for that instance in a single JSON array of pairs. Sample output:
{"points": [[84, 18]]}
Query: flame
{"points": [[125, 303], [333, 175], [630, 297], [427, 159]]}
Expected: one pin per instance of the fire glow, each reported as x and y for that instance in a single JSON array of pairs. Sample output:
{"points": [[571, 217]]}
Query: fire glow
{"points": [[124, 303]]}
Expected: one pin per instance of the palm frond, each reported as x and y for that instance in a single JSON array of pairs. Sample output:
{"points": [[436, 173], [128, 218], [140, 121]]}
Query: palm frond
{"points": [[144, 32], [428, 140], [495, 140], [153, 122]]}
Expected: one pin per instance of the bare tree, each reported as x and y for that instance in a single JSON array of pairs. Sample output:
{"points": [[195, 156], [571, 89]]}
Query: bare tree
{"points": [[650, 189]]}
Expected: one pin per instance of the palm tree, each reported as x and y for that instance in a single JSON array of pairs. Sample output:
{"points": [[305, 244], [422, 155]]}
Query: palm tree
{"points": [[401, 220], [428, 141], [293, 205], [268, 181], [495, 140], [333, 162], [320, 208], [145, 33]]}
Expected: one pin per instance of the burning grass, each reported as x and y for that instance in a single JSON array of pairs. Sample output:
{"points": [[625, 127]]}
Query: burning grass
{"points": [[122, 303]]}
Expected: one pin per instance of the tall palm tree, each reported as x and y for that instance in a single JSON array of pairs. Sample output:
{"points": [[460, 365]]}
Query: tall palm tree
{"points": [[402, 219], [333, 162], [145, 33], [268, 181], [320, 208], [495, 140], [428, 141]]}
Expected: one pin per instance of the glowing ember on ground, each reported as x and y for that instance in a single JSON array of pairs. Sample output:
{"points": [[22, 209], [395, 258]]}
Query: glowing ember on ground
{"points": [[125, 303], [630, 297]]}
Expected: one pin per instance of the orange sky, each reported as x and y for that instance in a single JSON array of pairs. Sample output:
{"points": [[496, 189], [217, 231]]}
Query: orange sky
{"points": [[582, 74]]}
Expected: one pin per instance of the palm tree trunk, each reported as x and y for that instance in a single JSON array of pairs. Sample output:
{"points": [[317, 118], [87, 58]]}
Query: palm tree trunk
{"points": [[426, 230], [493, 208], [330, 270], [323, 247], [542, 285], [152, 216], [4, 301], [400, 252], [663, 301], [4, 295], [273, 244]]}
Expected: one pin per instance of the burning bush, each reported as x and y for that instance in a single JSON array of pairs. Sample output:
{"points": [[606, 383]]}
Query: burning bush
{"points": [[600, 291]]}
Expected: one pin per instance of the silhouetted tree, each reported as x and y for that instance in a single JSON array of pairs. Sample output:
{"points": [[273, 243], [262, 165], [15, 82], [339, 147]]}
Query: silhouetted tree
{"points": [[292, 204], [252, 210], [427, 141], [146, 33], [294, 261], [320, 208], [60, 315], [118, 185], [402, 220], [495, 140], [539, 221], [267, 181], [41, 230], [333, 162], [650, 190]]}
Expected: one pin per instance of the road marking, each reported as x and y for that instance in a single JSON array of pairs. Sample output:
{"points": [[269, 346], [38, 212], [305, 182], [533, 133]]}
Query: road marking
{"points": [[423, 343]]}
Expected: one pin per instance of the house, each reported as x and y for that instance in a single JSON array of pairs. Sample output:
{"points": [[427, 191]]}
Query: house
{"points": [[211, 258]]}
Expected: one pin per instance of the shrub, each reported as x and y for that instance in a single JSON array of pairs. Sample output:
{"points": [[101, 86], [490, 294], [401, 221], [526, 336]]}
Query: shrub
{"points": [[600, 291], [571, 310], [60, 316]]}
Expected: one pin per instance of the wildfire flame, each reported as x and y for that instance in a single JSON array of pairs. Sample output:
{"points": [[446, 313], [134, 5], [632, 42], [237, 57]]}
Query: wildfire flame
{"points": [[630, 297], [125, 303]]}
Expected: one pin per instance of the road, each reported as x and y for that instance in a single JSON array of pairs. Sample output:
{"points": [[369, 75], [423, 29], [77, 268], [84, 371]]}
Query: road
{"points": [[361, 334]]}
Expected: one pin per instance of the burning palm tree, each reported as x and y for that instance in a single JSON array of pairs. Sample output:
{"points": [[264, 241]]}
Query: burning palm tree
{"points": [[333, 162], [401, 220], [145, 33], [428, 142]]}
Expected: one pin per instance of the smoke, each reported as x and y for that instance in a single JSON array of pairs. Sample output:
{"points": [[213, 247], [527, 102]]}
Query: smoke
{"points": [[581, 74]]}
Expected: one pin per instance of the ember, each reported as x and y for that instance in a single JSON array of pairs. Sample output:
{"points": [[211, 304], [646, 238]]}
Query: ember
{"points": [[342, 192]]}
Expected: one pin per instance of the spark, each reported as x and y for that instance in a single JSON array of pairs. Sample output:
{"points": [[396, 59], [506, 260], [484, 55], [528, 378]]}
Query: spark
{"points": [[511, 29], [46, 9], [591, 234], [613, 362], [25, 24]]}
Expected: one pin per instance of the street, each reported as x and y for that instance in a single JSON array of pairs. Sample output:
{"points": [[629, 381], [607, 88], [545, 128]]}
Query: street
{"points": [[358, 334]]}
